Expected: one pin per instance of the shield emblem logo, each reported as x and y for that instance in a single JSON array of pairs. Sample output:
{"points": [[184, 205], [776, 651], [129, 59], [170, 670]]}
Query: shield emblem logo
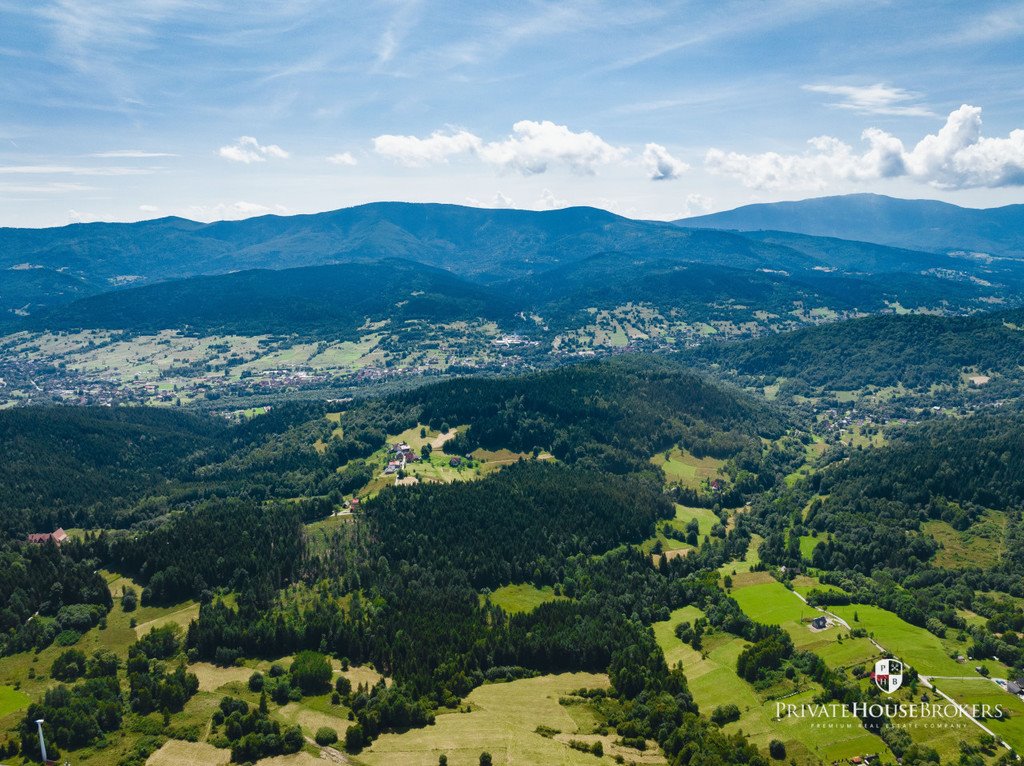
{"points": [[888, 675]]}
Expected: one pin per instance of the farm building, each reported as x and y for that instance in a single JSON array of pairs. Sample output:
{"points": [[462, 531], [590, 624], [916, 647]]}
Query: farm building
{"points": [[819, 623], [455, 462], [41, 537]]}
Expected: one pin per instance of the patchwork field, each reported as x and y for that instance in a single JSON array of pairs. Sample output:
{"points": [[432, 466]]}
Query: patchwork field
{"points": [[503, 721], [712, 678]]}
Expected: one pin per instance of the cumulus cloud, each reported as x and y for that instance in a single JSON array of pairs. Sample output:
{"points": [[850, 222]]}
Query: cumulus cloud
{"points": [[148, 208], [248, 150], [548, 201], [502, 200], [662, 166], [958, 156], [343, 158], [532, 148], [437, 147], [875, 99]]}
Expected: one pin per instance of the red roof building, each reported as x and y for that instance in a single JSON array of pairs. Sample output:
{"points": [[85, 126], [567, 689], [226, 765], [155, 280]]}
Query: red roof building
{"points": [[42, 537]]}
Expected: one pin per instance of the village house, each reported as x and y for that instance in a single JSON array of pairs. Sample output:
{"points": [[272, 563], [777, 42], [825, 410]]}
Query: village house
{"points": [[819, 623], [40, 538]]}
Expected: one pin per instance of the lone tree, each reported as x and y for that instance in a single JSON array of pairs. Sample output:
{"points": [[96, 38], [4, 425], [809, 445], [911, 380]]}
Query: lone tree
{"points": [[325, 736], [311, 673], [485, 758]]}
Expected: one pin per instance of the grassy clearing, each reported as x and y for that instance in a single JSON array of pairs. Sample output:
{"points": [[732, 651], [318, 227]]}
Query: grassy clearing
{"points": [[12, 700], [809, 543], [181, 617], [301, 758], [179, 753], [981, 545], [213, 677], [704, 517], [525, 597], [749, 561], [503, 721], [713, 681], [311, 713], [685, 469]]}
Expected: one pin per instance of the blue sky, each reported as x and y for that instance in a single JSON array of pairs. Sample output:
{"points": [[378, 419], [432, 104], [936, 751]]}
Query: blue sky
{"points": [[124, 110]]}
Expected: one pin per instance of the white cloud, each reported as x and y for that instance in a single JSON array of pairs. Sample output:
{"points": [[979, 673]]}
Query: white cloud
{"points": [[232, 211], [956, 157], [502, 200], [247, 149], [662, 166], [875, 99], [135, 154], [438, 147], [696, 204], [531, 148], [548, 201], [148, 208], [343, 158]]}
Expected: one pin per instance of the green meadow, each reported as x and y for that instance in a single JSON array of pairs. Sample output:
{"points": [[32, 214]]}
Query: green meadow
{"points": [[685, 469], [920, 649], [984, 692], [12, 700], [524, 597]]}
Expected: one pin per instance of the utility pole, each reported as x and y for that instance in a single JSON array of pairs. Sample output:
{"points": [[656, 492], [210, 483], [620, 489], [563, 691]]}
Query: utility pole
{"points": [[42, 742]]}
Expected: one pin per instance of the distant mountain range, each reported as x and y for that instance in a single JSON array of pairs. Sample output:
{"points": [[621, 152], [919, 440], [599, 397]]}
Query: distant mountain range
{"points": [[329, 272], [926, 225]]}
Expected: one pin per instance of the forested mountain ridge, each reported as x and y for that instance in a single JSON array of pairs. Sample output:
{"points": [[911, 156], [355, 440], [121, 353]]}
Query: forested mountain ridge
{"points": [[915, 351], [331, 301], [485, 246], [927, 225]]}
